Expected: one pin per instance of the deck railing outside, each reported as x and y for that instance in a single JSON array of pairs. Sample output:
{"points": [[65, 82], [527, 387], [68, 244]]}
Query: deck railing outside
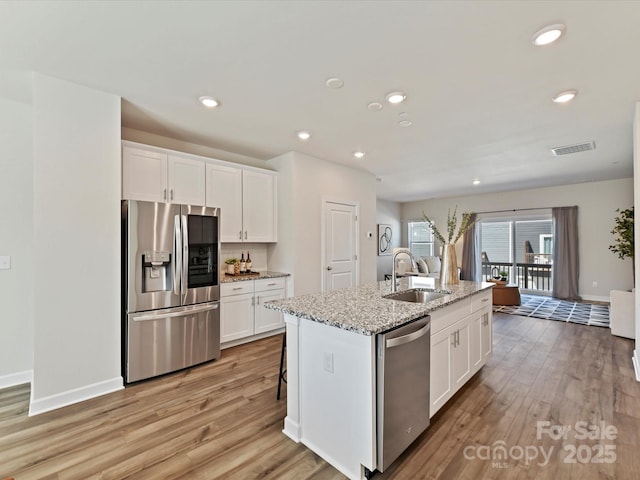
{"points": [[535, 277]]}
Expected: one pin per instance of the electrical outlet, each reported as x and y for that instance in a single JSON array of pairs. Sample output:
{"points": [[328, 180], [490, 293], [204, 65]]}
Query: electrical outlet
{"points": [[594, 284], [328, 362], [5, 262]]}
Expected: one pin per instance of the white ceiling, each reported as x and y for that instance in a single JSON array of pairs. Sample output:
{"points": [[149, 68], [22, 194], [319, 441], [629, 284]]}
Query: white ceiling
{"points": [[478, 92]]}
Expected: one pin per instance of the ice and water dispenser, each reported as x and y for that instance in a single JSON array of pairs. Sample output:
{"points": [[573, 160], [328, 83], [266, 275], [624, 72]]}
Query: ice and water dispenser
{"points": [[156, 271]]}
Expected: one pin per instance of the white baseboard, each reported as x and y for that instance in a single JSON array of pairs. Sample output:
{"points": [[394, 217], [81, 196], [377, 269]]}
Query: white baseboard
{"points": [[292, 430], [76, 395], [14, 379], [595, 298], [636, 365]]}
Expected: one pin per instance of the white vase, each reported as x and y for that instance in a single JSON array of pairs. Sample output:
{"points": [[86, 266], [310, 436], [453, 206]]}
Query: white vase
{"points": [[230, 269], [449, 267]]}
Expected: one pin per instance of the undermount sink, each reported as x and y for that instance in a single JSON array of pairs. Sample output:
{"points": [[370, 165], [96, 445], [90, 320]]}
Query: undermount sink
{"points": [[418, 295]]}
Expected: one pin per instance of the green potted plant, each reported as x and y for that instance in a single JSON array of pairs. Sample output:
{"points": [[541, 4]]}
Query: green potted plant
{"points": [[623, 237], [231, 265], [621, 316], [503, 275]]}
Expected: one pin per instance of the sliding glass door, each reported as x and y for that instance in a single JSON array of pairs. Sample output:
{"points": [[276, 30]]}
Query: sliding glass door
{"points": [[520, 249]]}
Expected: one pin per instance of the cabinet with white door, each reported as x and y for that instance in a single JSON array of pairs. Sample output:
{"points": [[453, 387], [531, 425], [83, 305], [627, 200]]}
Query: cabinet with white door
{"points": [[461, 339], [243, 316], [155, 175], [247, 198]]}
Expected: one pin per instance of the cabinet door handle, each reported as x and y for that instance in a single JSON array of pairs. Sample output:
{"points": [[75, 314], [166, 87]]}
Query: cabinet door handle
{"points": [[258, 300], [485, 300], [245, 234], [271, 284], [172, 194], [237, 288], [454, 339], [240, 235], [165, 194]]}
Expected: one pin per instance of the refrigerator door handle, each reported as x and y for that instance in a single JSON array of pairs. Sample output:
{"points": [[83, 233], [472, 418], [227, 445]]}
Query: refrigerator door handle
{"points": [[181, 313], [177, 256], [185, 254]]}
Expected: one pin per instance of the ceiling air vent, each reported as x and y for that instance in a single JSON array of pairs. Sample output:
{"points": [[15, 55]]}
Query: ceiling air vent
{"points": [[579, 147]]}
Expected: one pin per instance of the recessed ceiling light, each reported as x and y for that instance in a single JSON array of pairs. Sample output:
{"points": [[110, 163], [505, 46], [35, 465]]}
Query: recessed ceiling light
{"points": [[303, 135], [565, 96], [209, 102], [374, 106], [396, 97], [358, 154], [476, 182], [548, 34], [334, 82], [405, 123]]}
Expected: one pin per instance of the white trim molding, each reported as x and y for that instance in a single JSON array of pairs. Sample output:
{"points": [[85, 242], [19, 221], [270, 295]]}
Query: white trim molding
{"points": [[13, 379], [76, 395], [636, 364]]}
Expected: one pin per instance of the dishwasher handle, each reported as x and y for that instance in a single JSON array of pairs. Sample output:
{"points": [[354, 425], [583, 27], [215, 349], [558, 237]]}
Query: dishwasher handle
{"points": [[410, 337]]}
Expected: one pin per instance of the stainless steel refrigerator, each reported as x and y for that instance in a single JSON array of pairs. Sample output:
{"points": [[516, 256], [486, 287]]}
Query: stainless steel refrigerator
{"points": [[171, 287]]}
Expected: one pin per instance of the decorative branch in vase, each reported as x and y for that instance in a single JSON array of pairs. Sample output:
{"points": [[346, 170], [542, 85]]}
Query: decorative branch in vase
{"points": [[449, 268]]}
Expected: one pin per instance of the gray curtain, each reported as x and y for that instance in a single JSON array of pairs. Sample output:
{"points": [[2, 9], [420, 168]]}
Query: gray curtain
{"points": [[566, 266], [471, 253]]}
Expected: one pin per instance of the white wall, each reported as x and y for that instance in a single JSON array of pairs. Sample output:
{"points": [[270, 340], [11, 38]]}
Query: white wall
{"points": [[636, 231], [303, 183], [16, 240], [597, 203], [389, 213], [76, 145]]}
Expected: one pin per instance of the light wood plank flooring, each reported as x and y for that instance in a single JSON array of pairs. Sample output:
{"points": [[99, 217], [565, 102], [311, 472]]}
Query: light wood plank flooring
{"points": [[222, 420]]}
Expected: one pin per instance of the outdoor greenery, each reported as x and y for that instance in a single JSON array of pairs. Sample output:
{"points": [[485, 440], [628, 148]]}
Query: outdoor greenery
{"points": [[452, 223]]}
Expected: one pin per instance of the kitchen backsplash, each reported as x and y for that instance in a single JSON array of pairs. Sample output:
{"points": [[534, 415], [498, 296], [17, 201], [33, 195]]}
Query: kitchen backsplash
{"points": [[258, 253]]}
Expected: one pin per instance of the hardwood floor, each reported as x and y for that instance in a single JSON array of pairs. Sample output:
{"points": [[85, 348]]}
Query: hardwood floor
{"points": [[222, 420]]}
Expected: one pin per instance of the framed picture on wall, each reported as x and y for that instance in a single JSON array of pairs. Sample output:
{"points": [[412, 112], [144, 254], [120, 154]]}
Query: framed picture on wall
{"points": [[385, 237]]}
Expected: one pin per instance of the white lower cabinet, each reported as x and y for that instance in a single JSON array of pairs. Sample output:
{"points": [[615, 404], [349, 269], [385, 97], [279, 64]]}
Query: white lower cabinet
{"points": [[459, 346], [242, 311]]}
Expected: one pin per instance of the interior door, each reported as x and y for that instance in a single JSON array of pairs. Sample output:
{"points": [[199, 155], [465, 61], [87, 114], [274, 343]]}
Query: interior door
{"points": [[340, 246]]}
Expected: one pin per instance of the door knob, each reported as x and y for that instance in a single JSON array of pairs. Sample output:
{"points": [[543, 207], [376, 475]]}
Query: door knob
{"points": [[329, 267]]}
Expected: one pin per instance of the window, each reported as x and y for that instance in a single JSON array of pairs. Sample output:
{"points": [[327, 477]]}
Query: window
{"points": [[420, 239], [546, 243]]}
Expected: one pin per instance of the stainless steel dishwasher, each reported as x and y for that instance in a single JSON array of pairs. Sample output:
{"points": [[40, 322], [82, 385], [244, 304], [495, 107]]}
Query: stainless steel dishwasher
{"points": [[402, 388]]}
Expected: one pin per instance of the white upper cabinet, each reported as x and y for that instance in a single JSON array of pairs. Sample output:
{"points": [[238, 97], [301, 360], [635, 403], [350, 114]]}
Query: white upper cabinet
{"points": [[246, 196], [258, 206], [224, 190], [144, 175], [247, 199], [186, 181], [156, 176]]}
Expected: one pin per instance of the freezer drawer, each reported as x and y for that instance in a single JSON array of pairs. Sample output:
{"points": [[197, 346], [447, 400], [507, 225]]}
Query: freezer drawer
{"points": [[163, 341]]}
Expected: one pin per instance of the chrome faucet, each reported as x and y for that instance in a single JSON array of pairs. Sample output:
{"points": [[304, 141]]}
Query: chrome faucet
{"points": [[393, 267]]}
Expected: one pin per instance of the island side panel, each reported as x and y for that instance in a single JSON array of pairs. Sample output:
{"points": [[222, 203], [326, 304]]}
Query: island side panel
{"points": [[337, 391], [292, 420]]}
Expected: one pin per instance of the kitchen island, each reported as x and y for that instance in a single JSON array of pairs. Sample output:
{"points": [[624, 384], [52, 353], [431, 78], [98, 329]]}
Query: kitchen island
{"points": [[331, 361]]}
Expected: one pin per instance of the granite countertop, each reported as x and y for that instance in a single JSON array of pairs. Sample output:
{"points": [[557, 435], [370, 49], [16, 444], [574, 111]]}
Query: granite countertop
{"points": [[224, 278], [363, 310]]}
